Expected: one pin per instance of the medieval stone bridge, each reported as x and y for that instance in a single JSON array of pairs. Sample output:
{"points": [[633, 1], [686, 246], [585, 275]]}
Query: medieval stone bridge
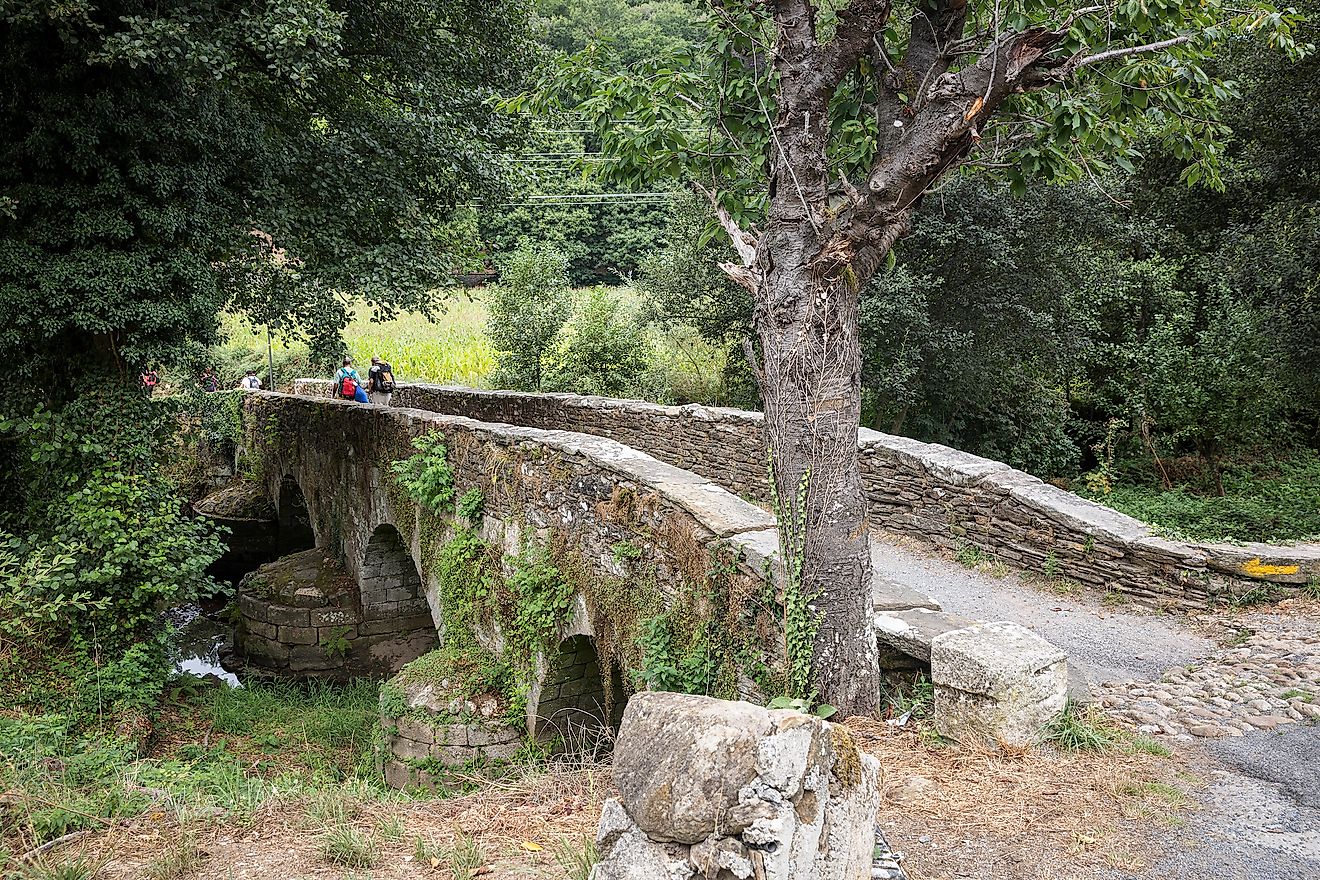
{"points": [[653, 553]]}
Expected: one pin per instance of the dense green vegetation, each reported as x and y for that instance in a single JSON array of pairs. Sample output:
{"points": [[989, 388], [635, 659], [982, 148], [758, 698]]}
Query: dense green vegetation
{"points": [[177, 180]]}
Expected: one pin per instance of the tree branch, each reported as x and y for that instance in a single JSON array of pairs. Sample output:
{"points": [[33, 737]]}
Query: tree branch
{"points": [[744, 242]]}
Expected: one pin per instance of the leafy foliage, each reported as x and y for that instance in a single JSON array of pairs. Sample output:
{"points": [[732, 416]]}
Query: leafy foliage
{"points": [[527, 309], [426, 476], [605, 349], [93, 543], [162, 162]]}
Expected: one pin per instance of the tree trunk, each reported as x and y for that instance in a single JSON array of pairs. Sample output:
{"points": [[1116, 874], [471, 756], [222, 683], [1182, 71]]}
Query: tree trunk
{"points": [[811, 384]]}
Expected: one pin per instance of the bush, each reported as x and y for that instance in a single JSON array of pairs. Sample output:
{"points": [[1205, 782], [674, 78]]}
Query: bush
{"points": [[527, 309], [604, 350], [1266, 499], [93, 544]]}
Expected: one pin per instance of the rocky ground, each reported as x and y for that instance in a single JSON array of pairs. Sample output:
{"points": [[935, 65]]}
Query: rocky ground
{"points": [[1234, 693]]}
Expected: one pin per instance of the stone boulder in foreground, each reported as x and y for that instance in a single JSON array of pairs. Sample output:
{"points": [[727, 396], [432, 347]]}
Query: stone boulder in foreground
{"points": [[717, 789]]}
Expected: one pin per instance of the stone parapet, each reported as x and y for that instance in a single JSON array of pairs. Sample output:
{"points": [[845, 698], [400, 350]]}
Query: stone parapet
{"points": [[922, 490]]}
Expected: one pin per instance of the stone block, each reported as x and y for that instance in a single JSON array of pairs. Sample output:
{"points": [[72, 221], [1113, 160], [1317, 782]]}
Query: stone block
{"points": [[332, 617], [915, 630], [261, 628], [409, 750], [253, 607], [298, 635], [997, 683], [307, 597], [417, 731], [492, 734], [286, 616], [500, 751], [803, 804], [398, 775]]}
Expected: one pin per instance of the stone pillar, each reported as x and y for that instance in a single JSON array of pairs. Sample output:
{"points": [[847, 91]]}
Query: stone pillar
{"points": [[996, 684]]}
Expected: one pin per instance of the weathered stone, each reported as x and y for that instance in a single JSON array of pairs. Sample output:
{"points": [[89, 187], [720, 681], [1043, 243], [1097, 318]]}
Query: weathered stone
{"points": [[285, 616], [680, 764], [332, 617], [806, 807], [914, 631], [997, 684]]}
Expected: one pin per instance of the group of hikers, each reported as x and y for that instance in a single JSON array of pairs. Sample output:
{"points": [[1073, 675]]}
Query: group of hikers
{"points": [[347, 384], [380, 382]]}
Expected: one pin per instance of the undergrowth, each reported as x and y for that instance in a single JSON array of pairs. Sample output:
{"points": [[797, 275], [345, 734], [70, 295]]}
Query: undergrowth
{"points": [[1274, 499]]}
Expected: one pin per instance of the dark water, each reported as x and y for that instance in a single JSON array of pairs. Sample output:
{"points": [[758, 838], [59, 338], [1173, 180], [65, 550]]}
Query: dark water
{"points": [[197, 639]]}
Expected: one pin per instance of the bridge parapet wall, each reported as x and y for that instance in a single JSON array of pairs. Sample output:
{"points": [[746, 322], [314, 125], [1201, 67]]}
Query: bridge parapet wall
{"points": [[925, 491]]}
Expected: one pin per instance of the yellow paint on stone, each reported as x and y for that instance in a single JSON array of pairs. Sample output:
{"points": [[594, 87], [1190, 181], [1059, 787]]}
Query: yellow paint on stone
{"points": [[1256, 568]]}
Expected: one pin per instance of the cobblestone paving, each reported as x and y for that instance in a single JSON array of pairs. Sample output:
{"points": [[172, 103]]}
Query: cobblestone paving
{"points": [[1259, 681]]}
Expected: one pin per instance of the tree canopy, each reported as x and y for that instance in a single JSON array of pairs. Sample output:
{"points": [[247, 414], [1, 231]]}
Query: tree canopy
{"points": [[160, 162]]}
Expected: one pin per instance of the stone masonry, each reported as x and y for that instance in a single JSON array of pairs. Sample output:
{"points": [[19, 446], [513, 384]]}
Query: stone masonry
{"points": [[301, 617], [588, 496], [711, 789], [923, 490]]}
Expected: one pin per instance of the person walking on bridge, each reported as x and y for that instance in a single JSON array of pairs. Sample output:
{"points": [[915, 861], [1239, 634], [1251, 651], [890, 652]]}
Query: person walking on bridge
{"points": [[380, 382], [348, 385]]}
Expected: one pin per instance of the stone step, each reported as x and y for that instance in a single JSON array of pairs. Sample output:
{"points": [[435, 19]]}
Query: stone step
{"points": [[889, 595], [913, 630]]}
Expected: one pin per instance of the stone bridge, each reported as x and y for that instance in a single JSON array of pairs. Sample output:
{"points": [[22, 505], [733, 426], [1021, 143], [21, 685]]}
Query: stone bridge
{"points": [[554, 556], [541, 546]]}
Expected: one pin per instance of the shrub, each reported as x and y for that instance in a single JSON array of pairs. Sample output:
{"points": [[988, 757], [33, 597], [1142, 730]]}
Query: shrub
{"points": [[527, 309], [604, 350]]}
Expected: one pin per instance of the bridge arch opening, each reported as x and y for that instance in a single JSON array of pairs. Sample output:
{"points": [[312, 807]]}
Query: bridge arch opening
{"points": [[390, 584], [294, 519], [579, 709]]}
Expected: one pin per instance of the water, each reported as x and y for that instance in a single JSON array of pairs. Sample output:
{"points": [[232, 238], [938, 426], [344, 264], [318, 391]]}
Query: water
{"points": [[198, 637]]}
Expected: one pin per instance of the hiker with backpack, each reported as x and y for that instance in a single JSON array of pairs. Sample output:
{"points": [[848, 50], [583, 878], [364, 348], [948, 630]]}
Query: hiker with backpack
{"points": [[380, 382], [250, 381], [348, 385]]}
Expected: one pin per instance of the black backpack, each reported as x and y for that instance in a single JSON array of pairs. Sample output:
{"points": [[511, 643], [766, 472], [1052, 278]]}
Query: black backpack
{"points": [[385, 379]]}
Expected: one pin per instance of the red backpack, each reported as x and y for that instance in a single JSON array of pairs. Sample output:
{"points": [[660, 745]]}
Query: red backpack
{"points": [[347, 387]]}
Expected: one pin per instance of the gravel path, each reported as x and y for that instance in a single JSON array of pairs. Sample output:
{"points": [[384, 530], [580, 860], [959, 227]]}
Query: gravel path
{"points": [[1243, 714], [1108, 644]]}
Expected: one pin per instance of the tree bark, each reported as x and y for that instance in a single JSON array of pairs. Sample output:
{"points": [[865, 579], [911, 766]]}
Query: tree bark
{"points": [[811, 385]]}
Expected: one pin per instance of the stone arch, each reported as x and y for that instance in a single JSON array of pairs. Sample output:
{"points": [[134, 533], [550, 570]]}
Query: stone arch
{"points": [[390, 584], [576, 705], [294, 518]]}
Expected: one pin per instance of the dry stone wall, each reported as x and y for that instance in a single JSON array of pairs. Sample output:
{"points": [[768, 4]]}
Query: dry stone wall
{"points": [[922, 490]]}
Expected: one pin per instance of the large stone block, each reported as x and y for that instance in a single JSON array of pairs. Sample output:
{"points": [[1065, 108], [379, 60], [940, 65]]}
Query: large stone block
{"points": [[711, 788], [997, 684]]}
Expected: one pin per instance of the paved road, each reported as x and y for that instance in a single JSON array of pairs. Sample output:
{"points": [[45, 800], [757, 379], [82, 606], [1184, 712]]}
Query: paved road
{"points": [[1260, 812], [1260, 815]]}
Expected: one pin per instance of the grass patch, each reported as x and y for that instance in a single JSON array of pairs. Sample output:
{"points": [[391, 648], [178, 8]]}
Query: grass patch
{"points": [[576, 857], [348, 847], [1148, 745], [1081, 729], [218, 750], [916, 697]]}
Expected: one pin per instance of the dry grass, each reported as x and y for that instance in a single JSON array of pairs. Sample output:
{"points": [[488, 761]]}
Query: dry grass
{"points": [[517, 824], [1030, 814]]}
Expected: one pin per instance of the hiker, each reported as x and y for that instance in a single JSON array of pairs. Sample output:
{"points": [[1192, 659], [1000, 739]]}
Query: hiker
{"points": [[348, 385], [209, 382], [250, 382], [380, 381], [150, 379]]}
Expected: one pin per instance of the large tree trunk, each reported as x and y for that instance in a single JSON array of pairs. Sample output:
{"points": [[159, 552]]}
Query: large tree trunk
{"points": [[811, 383]]}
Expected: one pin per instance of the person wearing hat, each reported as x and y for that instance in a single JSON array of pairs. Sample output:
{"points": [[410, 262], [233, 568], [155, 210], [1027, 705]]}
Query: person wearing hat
{"points": [[380, 382], [250, 381]]}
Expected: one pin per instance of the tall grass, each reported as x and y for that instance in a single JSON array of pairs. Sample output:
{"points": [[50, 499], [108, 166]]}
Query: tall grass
{"points": [[452, 349]]}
